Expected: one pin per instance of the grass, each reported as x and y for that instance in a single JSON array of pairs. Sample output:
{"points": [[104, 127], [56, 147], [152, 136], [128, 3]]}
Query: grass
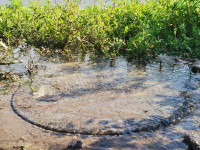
{"points": [[132, 28]]}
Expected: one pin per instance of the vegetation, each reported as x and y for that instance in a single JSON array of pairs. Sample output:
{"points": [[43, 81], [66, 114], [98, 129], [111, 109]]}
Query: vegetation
{"points": [[129, 27]]}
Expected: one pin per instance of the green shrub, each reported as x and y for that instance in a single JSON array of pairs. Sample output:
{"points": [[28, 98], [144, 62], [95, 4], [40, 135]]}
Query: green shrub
{"points": [[127, 27]]}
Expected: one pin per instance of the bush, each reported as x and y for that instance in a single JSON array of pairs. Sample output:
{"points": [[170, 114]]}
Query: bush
{"points": [[127, 27]]}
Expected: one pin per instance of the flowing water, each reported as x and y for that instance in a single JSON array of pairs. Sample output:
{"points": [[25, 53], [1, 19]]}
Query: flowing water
{"points": [[108, 104]]}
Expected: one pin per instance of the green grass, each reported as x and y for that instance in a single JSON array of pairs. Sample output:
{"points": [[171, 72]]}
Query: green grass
{"points": [[126, 27]]}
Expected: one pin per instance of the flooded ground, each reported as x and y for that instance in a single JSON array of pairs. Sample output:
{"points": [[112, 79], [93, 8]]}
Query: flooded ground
{"points": [[102, 103]]}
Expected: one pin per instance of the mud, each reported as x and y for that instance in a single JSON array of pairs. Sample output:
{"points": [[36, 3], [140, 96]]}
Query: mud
{"points": [[92, 102]]}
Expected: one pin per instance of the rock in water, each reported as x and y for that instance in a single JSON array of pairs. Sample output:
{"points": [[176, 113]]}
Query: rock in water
{"points": [[192, 144], [196, 67], [75, 145], [44, 90]]}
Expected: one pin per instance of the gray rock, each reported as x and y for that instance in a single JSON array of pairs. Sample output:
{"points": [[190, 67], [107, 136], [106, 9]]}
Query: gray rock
{"points": [[196, 67], [75, 144], [192, 144]]}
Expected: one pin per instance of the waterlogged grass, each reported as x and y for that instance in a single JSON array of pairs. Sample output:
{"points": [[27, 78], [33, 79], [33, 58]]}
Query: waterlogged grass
{"points": [[129, 27]]}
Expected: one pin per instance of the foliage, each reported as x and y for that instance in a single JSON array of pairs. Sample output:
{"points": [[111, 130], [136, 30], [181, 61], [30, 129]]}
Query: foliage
{"points": [[129, 27]]}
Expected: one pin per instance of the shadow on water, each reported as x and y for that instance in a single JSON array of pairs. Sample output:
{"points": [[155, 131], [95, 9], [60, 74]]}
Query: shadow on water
{"points": [[182, 104], [147, 140], [129, 139], [146, 125]]}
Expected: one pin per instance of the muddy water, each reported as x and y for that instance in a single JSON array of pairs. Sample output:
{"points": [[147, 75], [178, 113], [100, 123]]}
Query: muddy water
{"points": [[147, 107]]}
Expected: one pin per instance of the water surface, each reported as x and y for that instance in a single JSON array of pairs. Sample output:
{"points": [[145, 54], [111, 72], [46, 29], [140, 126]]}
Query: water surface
{"points": [[101, 97]]}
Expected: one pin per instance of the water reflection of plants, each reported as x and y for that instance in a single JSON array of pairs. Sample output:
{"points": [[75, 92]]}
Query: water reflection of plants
{"points": [[132, 28]]}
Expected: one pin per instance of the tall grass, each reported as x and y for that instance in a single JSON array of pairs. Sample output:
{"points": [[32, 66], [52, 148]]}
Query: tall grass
{"points": [[129, 27]]}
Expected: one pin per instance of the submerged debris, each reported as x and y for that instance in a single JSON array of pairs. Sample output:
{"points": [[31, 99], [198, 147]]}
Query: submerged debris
{"points": [[31, 68], [176, 60], [75, 144], [7, 76], [196, 67], [192, 144], [2, 44]]}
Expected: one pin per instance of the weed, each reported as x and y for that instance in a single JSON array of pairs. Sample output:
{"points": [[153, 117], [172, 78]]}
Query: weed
{"points": [[129, 27]]}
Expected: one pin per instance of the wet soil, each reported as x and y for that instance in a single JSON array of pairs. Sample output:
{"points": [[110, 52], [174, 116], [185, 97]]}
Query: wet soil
{"points": [[125, 106]]}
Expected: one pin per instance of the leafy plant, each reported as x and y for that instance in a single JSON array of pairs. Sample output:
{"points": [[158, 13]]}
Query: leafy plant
{"points": [[128, 27]]}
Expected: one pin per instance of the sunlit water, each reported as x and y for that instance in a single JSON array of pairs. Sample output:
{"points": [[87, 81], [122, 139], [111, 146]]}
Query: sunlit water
{"points": [[102, 97]]}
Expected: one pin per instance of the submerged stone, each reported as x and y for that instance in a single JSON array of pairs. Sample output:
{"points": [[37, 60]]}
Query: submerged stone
{"points": [[192, 144], [44, 90], [75, 145], [196, 67]]}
